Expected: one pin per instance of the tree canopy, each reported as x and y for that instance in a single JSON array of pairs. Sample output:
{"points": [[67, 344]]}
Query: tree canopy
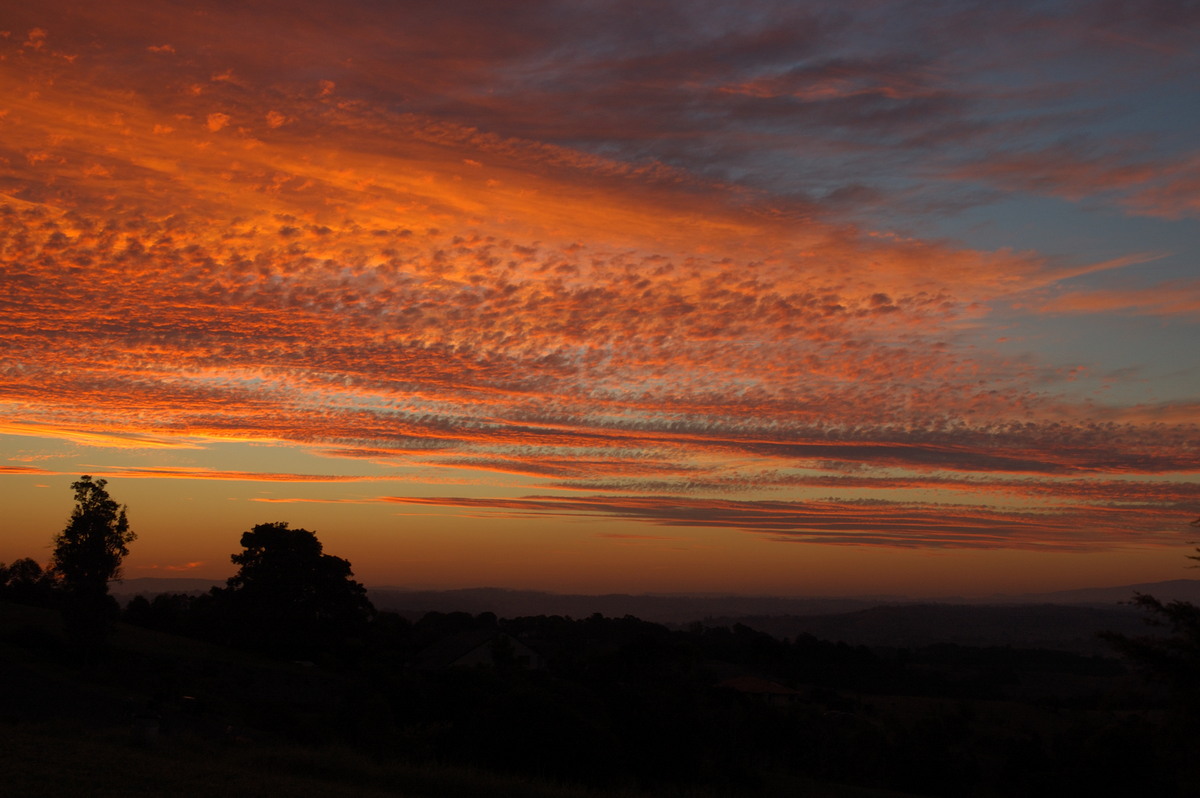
{"points": [[1173, 658], [288, 596], [26, 582], [88, 553]]}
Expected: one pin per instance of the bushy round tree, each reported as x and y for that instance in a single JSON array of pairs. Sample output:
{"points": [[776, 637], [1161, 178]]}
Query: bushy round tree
{"points": [[26, 582], [288, 597]]}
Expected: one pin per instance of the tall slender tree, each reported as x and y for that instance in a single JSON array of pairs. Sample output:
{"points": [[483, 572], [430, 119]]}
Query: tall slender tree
{"points": [[87, 554]]}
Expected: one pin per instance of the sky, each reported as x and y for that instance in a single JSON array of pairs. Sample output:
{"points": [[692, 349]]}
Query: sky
{"points": [[603, 296]]}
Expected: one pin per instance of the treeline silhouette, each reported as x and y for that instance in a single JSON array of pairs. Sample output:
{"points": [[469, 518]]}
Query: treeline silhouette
{"points": [[614, 703], [620, 701]]}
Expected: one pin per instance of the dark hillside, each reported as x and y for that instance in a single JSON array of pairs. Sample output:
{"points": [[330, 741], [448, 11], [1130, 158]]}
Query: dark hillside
{"points": [[167, 715], [460, 704], [1052, 626]]}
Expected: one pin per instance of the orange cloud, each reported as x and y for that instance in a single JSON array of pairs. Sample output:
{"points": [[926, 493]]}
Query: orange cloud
{"points": [[1176, 297], [189, 566], [1167, 189], [117, 439], [248, 476], [267, 500], [602, 264], [858, 523], [26, 470]]}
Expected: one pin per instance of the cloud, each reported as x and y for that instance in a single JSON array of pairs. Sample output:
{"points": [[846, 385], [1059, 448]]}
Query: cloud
{"points": [[188, 566], [688, 250], [1171, 298], [26, 471], [1034, 490], [1077, 171], [116, 439], [859, 523], [162, 472], [268, 500]]}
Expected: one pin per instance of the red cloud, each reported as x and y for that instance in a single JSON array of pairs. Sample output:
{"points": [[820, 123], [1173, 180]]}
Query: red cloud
{"points": [[615, 259], [861, 523]]}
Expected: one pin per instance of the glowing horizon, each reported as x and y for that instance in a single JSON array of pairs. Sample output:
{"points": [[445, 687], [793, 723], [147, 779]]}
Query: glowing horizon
{"points": [[566, 294]]}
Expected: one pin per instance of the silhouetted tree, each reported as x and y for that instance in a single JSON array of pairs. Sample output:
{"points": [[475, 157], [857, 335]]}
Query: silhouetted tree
{"points": [[26, 582], [166, 612], [288, 598], [1173, 658], [87, 554]]}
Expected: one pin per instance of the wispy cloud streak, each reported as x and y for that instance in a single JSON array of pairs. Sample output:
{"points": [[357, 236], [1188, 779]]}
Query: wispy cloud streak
{"points": [[855, 522]]}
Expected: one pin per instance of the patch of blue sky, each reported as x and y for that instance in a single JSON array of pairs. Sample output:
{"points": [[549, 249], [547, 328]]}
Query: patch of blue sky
{"points": [[1075, 232], [1122, 360]]}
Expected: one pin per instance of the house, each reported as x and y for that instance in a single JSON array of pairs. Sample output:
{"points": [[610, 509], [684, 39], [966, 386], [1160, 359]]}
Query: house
{"points": [[486, 648], [764, 690]]}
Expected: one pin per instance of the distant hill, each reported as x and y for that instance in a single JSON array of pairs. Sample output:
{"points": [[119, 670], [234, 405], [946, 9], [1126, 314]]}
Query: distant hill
{"points": [[1066, 620], [661, 609], [1173, 590], [1053, 626], [687, 608], [153, 585]]}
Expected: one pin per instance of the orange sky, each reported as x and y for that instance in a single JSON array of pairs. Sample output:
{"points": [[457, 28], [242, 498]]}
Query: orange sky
{"points": [[604, 296]]}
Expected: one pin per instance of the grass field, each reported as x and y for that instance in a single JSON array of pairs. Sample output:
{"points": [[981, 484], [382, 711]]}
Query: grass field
{"points": [[67, 730]]}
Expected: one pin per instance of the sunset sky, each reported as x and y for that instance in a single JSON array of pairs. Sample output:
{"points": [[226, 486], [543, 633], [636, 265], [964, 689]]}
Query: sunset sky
{"points": [[585, 296]]}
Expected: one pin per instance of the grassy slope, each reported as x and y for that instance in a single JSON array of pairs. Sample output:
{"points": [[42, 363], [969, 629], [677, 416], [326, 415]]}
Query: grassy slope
{"points": [[66, 731]]}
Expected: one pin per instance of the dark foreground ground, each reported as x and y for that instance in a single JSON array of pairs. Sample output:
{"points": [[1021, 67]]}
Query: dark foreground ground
{"points": [[605, 707]]}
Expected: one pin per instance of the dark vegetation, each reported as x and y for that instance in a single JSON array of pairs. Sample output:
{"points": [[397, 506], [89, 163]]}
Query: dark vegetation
{"points": [[288, 681], [87, 554]]}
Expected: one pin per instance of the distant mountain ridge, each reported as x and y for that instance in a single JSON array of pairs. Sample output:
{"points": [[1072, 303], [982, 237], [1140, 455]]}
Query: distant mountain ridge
{"points": [[1063, 627], [676, 608], [1171, 590], [153, 585], [1066, 620]]}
